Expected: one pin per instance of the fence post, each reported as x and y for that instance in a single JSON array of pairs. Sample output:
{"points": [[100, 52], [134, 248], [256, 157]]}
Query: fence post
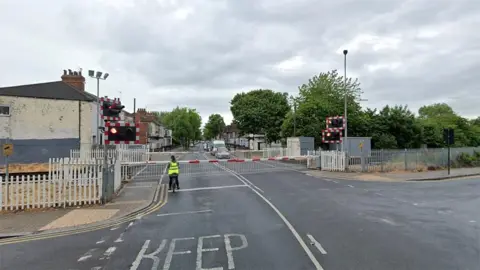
{"points": [[382, 160], [406, 167]]}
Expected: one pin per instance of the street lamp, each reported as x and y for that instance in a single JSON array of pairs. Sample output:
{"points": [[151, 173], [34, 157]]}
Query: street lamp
{"points": [[98, 75], [345, 52]]}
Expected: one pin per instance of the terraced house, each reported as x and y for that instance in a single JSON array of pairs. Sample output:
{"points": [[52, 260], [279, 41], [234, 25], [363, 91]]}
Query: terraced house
{"points": [[46, 120]]}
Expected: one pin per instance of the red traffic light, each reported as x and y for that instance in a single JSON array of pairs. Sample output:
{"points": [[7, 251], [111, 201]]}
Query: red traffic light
{"points": [[113, 130]]}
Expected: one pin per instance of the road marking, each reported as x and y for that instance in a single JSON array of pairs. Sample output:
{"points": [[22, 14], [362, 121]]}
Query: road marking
{"points": [[200, 250], [350, 186], [119, 239], [290, 227], [152, 256], [229, 248], [227, 239], [336, 182], [171, 252], [379, 194], [129, 225], [114, 228], [208, 188], [316, 244], [87, 255], [96, 268], [183, 213]]}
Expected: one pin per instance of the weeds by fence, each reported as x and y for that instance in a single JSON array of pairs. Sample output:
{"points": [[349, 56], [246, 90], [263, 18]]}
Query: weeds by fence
{"points": [[414, 159]]}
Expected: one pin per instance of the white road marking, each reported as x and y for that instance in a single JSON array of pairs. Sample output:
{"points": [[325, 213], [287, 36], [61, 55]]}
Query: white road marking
{"points": [[379, 194], [290, 227], [119, 239], [108, 253], [171, 252], [350, 186], [336, 182], [152, 256], [114, 228], [229, 248], [102, 240], [87, 255], [96, 268], [129, 225], [200, 250], [415, 204], [183, 213], [317, 244], [472, 221], [208, 188]]}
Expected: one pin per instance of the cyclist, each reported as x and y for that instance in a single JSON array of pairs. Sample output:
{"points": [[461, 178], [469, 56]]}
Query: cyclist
{"points": [[173, 171]]}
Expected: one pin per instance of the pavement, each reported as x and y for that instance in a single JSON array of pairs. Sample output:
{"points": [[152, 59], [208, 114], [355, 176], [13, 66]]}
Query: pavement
{"points": [[279, 219], [399, 176]]}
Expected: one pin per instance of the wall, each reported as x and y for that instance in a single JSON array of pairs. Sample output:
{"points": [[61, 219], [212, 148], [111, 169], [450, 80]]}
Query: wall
{"points": [[44, 128]]}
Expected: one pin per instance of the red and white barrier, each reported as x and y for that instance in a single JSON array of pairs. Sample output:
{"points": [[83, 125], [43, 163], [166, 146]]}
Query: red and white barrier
{"points": [[232, 160]]}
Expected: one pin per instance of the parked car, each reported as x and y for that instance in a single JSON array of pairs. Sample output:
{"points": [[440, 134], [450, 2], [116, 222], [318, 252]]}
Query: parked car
{"points": [[222, 152]]}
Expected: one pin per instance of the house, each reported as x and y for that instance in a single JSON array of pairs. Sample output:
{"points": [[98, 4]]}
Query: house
{"points": [[46, 120], [232, 136], [152, 132]]}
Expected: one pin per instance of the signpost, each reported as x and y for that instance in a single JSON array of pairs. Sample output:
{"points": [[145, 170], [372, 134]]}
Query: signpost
{"points": [[449, 138]]}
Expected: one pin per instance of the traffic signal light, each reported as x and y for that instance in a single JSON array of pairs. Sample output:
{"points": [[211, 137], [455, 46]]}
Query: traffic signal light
{"points": [[122, 133], [111, 109], [333, 136], [448, 136], [335, 123]]}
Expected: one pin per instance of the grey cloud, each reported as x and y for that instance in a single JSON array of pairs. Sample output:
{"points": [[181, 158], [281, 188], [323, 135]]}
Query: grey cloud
{"points": [[227, 46]]}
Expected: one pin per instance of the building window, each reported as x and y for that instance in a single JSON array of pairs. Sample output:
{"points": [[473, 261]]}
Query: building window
{"points": [[4, 110]]}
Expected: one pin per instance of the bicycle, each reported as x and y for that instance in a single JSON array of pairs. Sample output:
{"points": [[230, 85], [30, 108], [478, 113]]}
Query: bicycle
{"points": [[174, 179]]}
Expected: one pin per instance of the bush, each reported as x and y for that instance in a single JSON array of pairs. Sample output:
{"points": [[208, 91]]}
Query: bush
{"points": [[467, 160]]}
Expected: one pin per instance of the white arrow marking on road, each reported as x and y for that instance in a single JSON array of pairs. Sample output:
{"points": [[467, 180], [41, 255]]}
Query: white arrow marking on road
{"points": [[316, 244], [108, 253]]}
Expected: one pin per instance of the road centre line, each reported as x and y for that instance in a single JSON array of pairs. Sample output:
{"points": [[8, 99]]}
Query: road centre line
{"points": [[317, 244], [184, 213], [289, 225], [208, 188]]}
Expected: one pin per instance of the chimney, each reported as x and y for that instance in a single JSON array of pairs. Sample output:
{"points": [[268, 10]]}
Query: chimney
{"points": [[74, 79]]}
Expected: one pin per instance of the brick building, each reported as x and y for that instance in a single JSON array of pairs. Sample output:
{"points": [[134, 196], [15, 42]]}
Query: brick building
{"points": [[152, 132]]}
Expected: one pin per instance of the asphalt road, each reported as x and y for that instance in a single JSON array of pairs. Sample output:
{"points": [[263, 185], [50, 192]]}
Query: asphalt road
{"points": [[279, 220]]}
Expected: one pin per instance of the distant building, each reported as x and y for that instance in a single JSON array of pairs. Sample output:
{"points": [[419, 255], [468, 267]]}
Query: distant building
{"points": [[46, 120], [152, 132]]}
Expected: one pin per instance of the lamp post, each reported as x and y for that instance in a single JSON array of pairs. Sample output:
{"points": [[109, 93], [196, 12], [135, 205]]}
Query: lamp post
{"points": [[98, 76], [345, 52]]}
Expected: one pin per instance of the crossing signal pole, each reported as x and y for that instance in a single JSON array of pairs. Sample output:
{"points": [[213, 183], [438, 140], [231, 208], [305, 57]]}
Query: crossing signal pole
{"points": [[449, 138]]}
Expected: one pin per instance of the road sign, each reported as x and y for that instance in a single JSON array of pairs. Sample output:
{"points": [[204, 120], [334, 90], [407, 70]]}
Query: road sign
{"points": [[7, 149], [360, 145]]}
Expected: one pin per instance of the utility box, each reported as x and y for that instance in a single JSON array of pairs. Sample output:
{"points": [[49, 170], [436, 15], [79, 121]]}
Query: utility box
{"points": [[299, 146], [355, 146]]}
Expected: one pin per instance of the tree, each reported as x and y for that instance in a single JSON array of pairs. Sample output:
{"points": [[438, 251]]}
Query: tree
{"points": [[260, 111], [321, 97], [214, 127], [185, 124]]}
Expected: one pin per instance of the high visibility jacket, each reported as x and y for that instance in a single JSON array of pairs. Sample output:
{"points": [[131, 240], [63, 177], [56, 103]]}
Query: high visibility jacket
{"points": [[173, 168]]}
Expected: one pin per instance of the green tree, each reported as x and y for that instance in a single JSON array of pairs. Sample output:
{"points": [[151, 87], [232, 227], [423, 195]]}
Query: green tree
{"points": [[321, 97], [214, 127], [185, 124], [260, 111]]}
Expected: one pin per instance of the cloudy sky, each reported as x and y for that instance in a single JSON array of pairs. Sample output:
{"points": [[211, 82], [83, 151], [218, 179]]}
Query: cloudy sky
{"points": [[199, 53]]}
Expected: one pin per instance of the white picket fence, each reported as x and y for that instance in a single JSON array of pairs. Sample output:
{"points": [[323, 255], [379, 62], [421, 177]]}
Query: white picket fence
{"points": [[70, 182], [332, 161]]}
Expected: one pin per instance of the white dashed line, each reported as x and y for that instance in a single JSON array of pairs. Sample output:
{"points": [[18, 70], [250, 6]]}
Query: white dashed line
{"points": [[350, 186], [119, 239], [87, 255], [315, 243]]}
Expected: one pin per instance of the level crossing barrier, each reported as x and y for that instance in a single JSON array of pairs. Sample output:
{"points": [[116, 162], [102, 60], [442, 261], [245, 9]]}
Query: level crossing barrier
{"points": [[152, 170]]}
